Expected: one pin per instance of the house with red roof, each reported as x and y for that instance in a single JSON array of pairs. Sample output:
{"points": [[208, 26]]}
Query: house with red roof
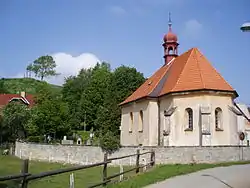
{"points": [[26, 99], [185, 103]]}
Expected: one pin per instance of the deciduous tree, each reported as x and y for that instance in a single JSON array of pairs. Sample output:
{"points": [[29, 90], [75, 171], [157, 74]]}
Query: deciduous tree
{"points": [[43, 67], [15, 118]]}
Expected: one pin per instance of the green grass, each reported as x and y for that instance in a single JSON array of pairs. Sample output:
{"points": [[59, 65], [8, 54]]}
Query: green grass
{"points": [[87, 177], [83, 178], [29, 85], [162, 172]]}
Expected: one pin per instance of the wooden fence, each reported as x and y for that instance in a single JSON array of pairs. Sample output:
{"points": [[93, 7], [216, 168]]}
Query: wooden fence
{"points": [[25, 177]]}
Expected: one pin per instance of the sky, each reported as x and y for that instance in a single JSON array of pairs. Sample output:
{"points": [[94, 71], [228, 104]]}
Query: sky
{"points": [[79, 33]]}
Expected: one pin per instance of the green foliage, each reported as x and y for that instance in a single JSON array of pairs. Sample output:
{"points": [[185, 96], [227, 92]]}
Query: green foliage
{"points": [[3, 88], [72, 91], [35, 139], [109, 142], [43, 67], [84, 135], [15, 118], [29, 85], [124, 82], [93, 97], [50, 115], [88, 101]]}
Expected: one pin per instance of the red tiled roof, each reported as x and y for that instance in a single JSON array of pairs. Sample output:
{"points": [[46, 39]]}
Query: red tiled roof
{"points": [[190, 71], [5, 98]]}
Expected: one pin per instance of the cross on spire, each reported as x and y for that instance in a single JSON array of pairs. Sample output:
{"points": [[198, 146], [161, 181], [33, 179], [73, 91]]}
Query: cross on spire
{"points": [[169, 22]]}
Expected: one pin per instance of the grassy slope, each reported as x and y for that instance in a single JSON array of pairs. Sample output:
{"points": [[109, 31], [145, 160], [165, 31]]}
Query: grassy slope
{"points": [[29, 85], [84, 178]]}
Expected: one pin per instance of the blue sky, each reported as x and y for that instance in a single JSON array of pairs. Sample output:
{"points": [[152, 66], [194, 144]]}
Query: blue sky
{"points": [[124, 32]]}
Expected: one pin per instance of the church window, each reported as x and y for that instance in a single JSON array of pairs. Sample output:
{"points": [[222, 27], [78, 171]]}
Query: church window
{"points": [[140, 127], [189, 119], [131, 122], [218, 119]]}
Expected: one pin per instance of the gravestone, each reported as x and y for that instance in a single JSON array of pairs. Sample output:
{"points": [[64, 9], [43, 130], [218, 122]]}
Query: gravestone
{"points": [[66, 142], [88, 143], [79, 141]]}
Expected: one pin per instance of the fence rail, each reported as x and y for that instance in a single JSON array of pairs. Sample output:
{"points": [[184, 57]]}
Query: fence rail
{"points": [[25, 177]]}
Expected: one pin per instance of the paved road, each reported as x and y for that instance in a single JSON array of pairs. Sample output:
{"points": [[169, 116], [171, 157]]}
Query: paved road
{"points": [[237, 176]]}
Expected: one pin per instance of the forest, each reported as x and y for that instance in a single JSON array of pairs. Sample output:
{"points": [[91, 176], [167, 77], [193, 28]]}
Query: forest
{"points": [[87, 102]]}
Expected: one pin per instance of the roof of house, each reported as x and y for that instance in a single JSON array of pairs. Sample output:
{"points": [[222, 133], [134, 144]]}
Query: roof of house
{"points": [[190, 71], [6, 98]]}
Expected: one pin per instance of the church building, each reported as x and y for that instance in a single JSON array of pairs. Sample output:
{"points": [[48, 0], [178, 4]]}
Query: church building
{"points": [[186, 102]]}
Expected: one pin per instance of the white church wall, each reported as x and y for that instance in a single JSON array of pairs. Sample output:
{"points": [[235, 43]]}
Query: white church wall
{"points": [[153, 110], [166, 122], [135, 137], [193, 138]]}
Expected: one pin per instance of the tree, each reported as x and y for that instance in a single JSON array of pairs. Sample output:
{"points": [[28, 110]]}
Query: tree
{"points": [[124, 81], [43, 67], [93, 97], [85, 95], [3, 89], [50, 115], [15, 118], [72, 91]]}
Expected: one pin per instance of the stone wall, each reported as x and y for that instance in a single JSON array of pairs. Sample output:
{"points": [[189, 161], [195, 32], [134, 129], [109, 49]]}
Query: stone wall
{"points": [[163, 155]]}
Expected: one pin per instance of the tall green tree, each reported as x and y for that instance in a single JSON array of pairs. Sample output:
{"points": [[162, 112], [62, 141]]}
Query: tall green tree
{"points": [[93, 97], [3, 89], [43, 67], [50, 114], [72, 91], [15, 118], [124, 82]]}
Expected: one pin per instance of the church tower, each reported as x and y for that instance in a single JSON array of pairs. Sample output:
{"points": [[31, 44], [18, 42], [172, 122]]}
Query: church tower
{"points": [[170, 43]]}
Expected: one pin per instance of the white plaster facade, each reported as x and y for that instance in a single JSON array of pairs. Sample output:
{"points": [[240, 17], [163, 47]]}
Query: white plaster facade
{"points": [[166, 121]]}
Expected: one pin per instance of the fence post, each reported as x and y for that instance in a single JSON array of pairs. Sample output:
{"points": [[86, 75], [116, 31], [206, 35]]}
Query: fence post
{"points": [[25, 169], [104, 172], [152, 158], [137, 161]]}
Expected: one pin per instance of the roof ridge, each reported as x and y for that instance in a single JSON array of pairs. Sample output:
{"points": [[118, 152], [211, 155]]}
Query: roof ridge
{"points": [[198, 65], [191, 52], [162, 76]]}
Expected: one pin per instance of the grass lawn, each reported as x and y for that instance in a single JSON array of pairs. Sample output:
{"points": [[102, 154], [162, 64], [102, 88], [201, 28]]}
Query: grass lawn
{"points": [[87, 177]]}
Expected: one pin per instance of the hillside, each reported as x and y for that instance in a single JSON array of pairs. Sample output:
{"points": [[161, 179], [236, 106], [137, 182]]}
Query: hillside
{"points": [[29, 85]]}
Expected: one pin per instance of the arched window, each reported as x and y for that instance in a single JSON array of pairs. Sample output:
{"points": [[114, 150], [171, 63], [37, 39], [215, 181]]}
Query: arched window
{"points": [[140, 128], [218, 118], [189, 119], [131, 122], [170, 50]]}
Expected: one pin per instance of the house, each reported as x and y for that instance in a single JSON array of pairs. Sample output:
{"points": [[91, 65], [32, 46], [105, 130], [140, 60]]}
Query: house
{"points": [[26, 99], [184, 103]]}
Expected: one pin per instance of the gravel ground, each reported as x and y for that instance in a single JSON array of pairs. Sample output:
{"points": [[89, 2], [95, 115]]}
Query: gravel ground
{"points": [[237, 176]]}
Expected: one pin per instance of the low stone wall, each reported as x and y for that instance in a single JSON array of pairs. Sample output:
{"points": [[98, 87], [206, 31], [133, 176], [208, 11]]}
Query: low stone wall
{"points": [[163, 155]]}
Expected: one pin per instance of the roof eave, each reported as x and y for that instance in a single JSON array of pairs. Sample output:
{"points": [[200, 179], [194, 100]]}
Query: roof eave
{"points": [[235, 95]]}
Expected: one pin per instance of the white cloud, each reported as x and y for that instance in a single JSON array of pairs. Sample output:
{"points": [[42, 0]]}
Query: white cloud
{"points": [[193, 29], [68, 65], [118, 10]]}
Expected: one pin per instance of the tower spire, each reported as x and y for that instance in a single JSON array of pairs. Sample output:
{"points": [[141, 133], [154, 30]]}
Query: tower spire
{"points": [[169, 22], [170, 43]]}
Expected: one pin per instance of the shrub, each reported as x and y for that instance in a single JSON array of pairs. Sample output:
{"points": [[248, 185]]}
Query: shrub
{"points": [[36, 139], [109, 142]]}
